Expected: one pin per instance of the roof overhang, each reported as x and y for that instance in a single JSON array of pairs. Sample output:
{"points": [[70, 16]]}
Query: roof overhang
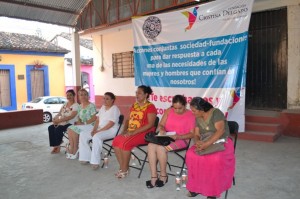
{"points": [[60, 12]]}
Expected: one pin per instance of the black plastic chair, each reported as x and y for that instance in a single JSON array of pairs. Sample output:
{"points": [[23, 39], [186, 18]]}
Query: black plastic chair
{"points": [[107, 145], [140, 147], [65, 143], [182, 157], [234, 131]]}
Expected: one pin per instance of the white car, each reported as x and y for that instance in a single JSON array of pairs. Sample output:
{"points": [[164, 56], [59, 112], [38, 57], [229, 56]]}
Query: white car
{"points": [[51, 105]]}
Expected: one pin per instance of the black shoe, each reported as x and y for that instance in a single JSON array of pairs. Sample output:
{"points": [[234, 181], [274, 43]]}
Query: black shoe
{"points": [[149, 184], [211, 197], [160, 183], [192, 194]]}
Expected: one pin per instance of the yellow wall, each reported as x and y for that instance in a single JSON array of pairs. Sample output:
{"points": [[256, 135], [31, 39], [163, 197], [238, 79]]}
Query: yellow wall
{"points": [[55, 68]]}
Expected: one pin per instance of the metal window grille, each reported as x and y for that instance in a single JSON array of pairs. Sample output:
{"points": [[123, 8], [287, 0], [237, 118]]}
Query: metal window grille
{"points": [[123, 64]]}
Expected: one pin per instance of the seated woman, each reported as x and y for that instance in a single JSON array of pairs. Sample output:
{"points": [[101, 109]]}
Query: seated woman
{"points": [[209, 174], [65, 118], [105, 127], [175, 119], [141, 121], [86, 116]]}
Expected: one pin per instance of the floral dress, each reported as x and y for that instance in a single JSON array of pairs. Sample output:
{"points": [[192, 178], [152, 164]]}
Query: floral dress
{"points": [[84, 114]]}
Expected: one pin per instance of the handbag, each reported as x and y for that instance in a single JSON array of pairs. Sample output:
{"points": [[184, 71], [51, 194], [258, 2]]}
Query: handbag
{"points": [[160, 140], [213, 148]]}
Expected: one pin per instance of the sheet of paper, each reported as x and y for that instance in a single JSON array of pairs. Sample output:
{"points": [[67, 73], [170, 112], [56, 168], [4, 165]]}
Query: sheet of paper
{"points": [[168, 133]]}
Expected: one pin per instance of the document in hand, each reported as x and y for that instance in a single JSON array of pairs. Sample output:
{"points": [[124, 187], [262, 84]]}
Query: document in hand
{"points": [[167, 134]]}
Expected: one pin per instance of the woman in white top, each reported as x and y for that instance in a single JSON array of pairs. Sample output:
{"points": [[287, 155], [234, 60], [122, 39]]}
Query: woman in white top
{"points": [[104, 128], [65, 118]]}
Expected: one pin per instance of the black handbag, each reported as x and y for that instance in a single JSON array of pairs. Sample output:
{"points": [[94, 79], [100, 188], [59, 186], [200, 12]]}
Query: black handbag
{"points": [[160, 140]]}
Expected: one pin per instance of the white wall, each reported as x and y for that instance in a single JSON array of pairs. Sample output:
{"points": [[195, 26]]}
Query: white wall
{"points": [[65, 43], [293, 83], [84, 52], [261, 5], [113, 42]]}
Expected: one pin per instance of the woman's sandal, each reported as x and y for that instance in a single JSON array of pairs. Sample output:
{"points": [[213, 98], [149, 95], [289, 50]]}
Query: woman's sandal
{"points": [[116, 174], [123, 174], [149, 184], [160, 183], [192, 194], [95, 166], [55, 150]]}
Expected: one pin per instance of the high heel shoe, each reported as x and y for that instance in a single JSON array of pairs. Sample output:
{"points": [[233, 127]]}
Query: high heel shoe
{"points": [[192, 194], [123, 174], [119, 171], [75, 156], [160, 183], [149, 185]]}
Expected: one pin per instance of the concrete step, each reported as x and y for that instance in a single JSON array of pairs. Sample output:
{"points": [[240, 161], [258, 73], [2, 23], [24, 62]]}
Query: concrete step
{"points": [[262, 119], [259, 136], [262, 113], [263, 127]]}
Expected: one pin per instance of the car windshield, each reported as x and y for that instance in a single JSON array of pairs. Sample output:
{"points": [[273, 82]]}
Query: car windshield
{"points": [[37, 100]]}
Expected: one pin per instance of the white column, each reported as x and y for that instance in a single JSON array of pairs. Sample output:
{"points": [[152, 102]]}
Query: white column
{"points": [[76, 59], [293, 83]]}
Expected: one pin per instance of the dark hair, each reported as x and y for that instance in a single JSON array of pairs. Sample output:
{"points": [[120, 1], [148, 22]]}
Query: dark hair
{"points": [[179, 99], [146, 89], [201, 104], [111, 95], [71, 91]]}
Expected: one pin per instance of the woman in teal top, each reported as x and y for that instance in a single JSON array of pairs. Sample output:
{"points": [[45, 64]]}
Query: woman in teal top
{"points": [[86, 115]]}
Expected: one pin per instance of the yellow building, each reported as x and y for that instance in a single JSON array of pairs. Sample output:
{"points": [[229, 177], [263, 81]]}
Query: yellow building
{"points": [[30, 67]]}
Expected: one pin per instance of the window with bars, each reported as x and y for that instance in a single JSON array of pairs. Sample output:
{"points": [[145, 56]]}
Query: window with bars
{"points": [[123, 64]]}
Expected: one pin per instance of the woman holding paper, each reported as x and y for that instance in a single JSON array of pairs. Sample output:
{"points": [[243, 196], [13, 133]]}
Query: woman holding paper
{"points": [[216, 165], [180, 122]]}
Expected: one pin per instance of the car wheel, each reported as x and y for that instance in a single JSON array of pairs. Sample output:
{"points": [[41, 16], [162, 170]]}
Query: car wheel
{"points": [[47, 117]]}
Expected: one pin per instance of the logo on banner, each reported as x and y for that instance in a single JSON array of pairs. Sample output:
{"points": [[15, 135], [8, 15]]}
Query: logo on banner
{"points": [[236, 96], [152, 27], [192, 17]]}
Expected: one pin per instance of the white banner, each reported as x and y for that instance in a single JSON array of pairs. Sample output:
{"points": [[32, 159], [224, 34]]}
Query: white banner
{"points": [[199, 51]]}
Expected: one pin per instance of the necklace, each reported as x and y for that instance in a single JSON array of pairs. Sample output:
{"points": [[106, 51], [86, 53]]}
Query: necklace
{"points": [[140, 108], [205, 123]]}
